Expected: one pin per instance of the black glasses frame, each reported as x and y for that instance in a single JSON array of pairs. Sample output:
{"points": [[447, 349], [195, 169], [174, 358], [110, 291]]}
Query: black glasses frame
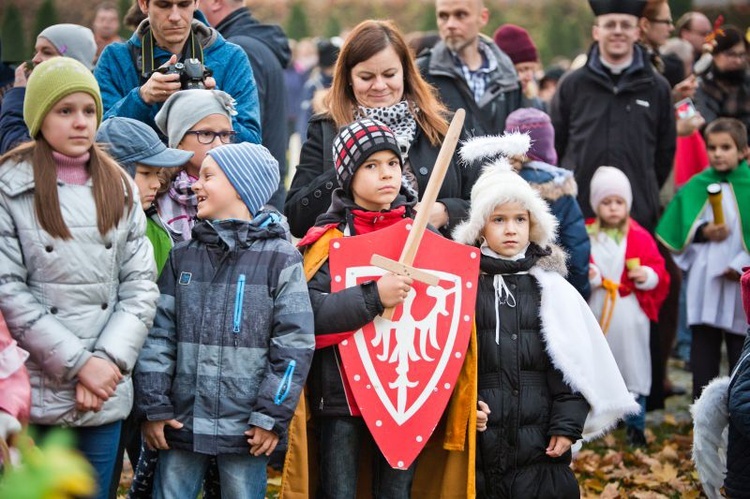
{"points": [[206, 137]]}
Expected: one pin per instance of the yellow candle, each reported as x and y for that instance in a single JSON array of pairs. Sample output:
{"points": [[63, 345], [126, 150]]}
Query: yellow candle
{"points": [[714, 197]]}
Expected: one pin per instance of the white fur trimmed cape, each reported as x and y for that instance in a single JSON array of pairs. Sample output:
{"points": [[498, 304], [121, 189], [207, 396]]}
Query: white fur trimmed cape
{"points": [[578, 348]]}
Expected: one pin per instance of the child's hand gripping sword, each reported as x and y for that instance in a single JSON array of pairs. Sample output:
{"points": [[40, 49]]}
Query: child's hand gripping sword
{"points": [[404, 264]]}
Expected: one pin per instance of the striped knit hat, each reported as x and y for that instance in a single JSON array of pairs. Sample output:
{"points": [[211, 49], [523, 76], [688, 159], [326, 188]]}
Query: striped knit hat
{"points": [[251, 169], [356, 142]]}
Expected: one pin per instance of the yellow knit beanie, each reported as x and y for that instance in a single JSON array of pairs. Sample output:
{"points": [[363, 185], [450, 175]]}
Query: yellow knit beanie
{"points": [[51, 81]]}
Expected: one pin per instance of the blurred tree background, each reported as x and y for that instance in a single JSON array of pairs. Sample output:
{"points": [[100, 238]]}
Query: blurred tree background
{"points": [[559, 27]]}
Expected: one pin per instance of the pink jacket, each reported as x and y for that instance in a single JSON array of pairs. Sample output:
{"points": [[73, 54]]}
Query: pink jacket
{"points": [[15, 389], [745, 287]]}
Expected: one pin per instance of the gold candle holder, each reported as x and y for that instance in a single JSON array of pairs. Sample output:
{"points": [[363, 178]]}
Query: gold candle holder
{"points": [[714, 197]]}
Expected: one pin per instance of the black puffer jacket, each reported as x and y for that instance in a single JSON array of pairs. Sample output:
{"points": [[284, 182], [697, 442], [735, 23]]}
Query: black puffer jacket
{"points": [[737, 482], [526, 394]]}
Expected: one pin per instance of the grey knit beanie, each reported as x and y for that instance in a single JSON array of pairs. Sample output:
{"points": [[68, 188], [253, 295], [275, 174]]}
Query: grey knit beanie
{"points": [[72, 40], [183, 109]]}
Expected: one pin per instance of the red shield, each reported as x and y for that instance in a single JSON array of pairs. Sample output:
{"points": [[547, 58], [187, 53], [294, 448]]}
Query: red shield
{"points": [[402, 371]]}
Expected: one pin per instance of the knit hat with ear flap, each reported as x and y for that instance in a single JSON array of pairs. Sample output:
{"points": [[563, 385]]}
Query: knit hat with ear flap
{"points": [[52, 80], [499, 184]]}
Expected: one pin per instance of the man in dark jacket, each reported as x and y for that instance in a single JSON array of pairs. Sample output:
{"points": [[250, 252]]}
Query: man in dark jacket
{"points": [[267, 47], [469, 70], [617, 111]]}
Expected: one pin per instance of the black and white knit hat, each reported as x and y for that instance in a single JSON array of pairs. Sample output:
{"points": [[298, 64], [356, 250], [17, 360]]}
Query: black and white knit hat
{"points": [[358, 141]]}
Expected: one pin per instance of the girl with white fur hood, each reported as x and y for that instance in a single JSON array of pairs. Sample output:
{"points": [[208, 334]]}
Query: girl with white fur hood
{"points": [[545, 373]]}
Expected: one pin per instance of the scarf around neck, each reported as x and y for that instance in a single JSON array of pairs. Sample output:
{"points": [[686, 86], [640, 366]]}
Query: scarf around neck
{"points": [[181, 190], [398, 118], [179, 207]]}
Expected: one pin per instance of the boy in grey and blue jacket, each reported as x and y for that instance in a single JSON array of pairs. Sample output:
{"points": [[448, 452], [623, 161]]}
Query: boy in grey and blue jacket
{"points": [[223, 368]]}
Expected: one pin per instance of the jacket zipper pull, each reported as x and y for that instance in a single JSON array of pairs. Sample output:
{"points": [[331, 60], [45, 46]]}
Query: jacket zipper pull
{"points": [[286, 383], [238, 299]]}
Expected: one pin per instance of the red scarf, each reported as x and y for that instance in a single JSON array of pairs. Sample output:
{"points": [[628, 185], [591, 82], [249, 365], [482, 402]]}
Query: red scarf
{"points": [[364, 222], [370, 221]]}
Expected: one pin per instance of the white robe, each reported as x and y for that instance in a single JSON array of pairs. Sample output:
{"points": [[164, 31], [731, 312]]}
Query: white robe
{"points": [[630, 329], [711, 298]]}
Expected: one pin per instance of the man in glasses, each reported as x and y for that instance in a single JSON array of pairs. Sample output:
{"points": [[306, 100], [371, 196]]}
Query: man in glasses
{"points": [[617, 111]]}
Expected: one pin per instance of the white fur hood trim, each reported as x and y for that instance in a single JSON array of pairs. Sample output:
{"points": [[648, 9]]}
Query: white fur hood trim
{"points": [[499, 185], [578, 348], [710, 434]]}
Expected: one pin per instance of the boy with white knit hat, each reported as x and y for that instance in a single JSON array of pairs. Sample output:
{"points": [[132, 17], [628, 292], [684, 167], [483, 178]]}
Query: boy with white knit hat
{"points": [[546, 375], [223, 367], [629, 283]]}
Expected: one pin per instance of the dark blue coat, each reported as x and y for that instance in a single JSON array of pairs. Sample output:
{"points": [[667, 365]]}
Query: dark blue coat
{"points": [[737, 482], [558, 187], [13, 129], [267, 48]]}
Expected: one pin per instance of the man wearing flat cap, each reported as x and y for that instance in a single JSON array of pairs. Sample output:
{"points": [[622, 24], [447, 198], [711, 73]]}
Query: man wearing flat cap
{"points": [[617, 111]]}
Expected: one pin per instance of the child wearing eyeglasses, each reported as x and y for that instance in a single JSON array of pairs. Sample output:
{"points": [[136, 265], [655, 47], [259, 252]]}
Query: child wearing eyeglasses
{"points": [[196, 121]]}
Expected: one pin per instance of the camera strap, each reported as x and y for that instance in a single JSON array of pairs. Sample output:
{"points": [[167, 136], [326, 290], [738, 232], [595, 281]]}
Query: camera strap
{"points": [[144, 59]]}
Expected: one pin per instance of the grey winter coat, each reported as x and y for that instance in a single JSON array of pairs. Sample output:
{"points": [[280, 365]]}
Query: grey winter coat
{"points": [[65, 301], [502, 95], [232, 339]]}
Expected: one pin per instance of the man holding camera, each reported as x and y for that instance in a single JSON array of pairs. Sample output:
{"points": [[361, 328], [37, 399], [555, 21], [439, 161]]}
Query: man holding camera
{"points": [[171, 50]]}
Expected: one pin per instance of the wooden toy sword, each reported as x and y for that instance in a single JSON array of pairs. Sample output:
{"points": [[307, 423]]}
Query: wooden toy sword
{"points": [[404, 264]]}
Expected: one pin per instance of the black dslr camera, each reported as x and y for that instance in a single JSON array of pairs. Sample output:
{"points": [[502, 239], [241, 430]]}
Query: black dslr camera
{"points": [[192, 73]]}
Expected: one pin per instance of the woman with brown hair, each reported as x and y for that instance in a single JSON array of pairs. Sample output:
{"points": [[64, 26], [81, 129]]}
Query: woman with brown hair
{"points": [[656, 27], [376, 77]]}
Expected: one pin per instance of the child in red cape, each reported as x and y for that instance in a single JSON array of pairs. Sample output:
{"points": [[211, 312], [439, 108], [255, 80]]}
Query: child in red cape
{"points": [[629, 283]]}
